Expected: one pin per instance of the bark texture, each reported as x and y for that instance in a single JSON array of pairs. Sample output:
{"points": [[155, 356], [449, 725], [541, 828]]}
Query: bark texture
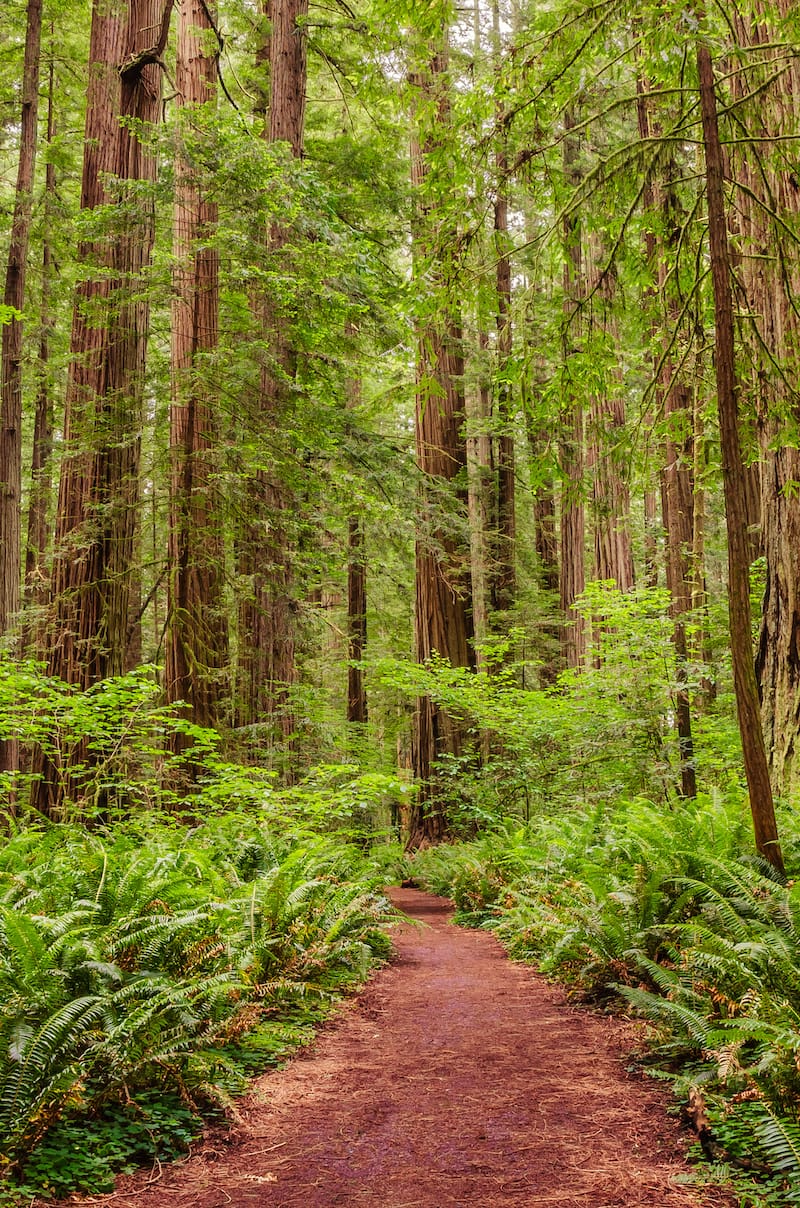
{"points": [[99, 482], [572, 579], [767, 91], [610, 495], [677, 486], [356, 620], [197, 637], [755, 757], [38, 532], [98, 500], [14, 297], [267, 664], [504, 580], [442, 613]]}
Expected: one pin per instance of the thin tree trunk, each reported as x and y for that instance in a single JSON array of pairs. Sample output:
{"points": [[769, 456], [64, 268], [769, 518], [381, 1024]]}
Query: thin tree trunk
{"points": [[357, 710], [755, 756], [610, 497], [479, 476], [356, 620], [678, 512]]}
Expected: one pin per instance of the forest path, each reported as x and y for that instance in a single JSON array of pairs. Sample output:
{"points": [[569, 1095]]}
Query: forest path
{"points": [[456, 1078]]}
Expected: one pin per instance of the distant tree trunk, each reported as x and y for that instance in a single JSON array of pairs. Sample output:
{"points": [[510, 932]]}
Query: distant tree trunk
{"points": [[356, 620], [442, 592], [479, 476], [197, 636], [99, 482], [677, 495], [677, 486], [767, 92], [610, 498], [11, 376], [356, 591], [572, 579], [650, 539], [267, 667], [755, 757]]}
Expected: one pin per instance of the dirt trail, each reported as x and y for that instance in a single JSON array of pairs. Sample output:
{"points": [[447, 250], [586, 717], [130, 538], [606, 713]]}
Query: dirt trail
{"points": [[457, 1078]]}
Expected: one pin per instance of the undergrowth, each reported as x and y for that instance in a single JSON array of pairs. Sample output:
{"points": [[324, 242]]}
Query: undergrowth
{"points": [[147, 971], [668, 914]]}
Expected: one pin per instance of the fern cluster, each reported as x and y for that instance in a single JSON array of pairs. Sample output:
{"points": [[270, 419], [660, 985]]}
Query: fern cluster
{"points": [[663, 911], [131, 965]]}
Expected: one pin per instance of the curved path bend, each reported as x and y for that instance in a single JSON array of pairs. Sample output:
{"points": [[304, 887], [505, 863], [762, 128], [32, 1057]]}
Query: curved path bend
{"points": [[455, 1078]]}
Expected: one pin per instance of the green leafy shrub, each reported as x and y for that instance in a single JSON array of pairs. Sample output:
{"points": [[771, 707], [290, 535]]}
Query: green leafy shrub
{"points": [[133, 966]]}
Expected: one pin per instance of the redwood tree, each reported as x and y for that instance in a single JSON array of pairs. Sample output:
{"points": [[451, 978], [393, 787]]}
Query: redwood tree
{"points": [[442, 620], [267, 667], [747, 702], [197, 637], [98, 499]]}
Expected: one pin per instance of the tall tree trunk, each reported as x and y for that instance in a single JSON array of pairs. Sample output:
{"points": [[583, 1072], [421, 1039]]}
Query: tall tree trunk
{"points": [[267, 667], [677, 486], [38, 534], [503, 588], [11, 374], [755, 756], [479, 479], [572, 579], [42, 450], [767, 92], [14, 297], [197, 636], [442, 621], [99, 482]]}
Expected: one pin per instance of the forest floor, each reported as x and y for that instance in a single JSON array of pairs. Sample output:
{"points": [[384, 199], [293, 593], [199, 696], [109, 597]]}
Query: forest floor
{"points": [[455, 1078]]}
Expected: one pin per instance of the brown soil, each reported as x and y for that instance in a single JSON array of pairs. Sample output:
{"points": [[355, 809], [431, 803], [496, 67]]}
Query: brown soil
{"points": [[456, 1078]]}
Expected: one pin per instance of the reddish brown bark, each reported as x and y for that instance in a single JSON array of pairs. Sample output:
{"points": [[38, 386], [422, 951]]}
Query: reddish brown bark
{"points": [[767, 92], [755, 757], [442, 620], [572, 579], [14, 297], [356, 620], [610, 495], [38, 534], [677, 502], [98, 497], [267, 667], [99, 483], [197, 637], [677, 486], [11, 374], [504, 584]]}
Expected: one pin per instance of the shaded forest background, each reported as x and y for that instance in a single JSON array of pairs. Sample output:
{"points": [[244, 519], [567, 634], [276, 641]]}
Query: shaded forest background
{"points": [[341, 336]]}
